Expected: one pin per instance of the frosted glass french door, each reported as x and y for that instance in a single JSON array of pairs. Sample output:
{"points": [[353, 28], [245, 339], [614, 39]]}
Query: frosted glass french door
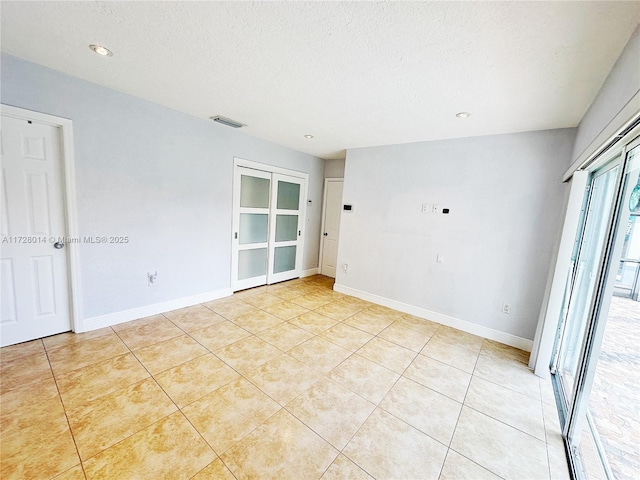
{"points": [[286, 228], [267, 228], [252, 202]]}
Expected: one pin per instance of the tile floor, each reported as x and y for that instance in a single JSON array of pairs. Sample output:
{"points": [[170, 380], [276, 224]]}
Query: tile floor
{"points": [[286, 381]]}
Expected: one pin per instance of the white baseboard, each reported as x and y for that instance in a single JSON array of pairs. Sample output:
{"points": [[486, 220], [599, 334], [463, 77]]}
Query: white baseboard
{"points": [[308, 273], [140, 312], [481, 331]]}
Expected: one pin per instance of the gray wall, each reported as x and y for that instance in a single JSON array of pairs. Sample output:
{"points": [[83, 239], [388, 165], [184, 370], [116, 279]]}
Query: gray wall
{"points": [[159, 176], [620, 86], [505, 193], [334, 168]]}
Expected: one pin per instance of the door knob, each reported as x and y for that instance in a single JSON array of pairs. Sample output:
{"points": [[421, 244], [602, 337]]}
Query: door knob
{"points": [[325, 234], [58, 245]]}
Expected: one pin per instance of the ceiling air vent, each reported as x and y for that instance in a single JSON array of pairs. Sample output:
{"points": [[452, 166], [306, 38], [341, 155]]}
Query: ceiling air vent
{"points": [[227, 121]]}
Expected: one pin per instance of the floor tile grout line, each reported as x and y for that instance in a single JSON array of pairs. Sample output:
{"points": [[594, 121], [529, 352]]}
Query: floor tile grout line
{"points": [[159, 386], [242, 376], [257, 386], [476, 463], [504, 386], [3, 362], [502, 421], [130, 351], [544, 425], [390, 413], [463, 401], [377, 405], [178, 409], [455, 428], [505, 423], [315, 335], [22, 358], [66, 416]]}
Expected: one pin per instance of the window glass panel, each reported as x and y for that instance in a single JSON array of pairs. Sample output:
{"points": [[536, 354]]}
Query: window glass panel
{"points": [[253, 228], [288, 196], [284, 259], [252, 263], [286, 228], [254, 192]]}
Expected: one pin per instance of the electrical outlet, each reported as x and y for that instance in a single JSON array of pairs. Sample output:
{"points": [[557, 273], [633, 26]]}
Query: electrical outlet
{"points": [[152, 278], [435, 208], [506, 308], [425, 208]]}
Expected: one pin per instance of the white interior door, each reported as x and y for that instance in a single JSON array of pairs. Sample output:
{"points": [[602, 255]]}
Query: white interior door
{"points": [[252, 201], [332, 209], [34, 276], [287, 228]]}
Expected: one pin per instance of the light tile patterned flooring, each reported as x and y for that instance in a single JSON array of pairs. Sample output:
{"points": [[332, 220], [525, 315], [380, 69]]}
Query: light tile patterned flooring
{"points": [[286, 381]]}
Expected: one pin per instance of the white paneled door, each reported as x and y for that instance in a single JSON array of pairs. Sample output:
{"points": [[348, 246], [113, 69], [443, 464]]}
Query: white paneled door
{"points": [[332, 209], [34, 276], [268, 227]]}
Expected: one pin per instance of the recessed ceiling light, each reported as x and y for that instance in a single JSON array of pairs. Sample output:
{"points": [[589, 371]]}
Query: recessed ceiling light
{"points": [[308, 137], [100, 50], [463, 114]]}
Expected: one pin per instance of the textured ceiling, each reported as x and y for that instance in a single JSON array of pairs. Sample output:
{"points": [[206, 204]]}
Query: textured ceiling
{"points": [[351, 73]]}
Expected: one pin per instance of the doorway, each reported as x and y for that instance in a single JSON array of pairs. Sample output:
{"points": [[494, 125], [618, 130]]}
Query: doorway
{"points": [[268, 224], [38, 212], [331, 210], [595, 360]]}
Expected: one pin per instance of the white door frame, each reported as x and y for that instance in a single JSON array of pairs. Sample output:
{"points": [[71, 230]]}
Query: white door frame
{"points": [[324, 207], [240, 162], [65, 127], [302, 226]]}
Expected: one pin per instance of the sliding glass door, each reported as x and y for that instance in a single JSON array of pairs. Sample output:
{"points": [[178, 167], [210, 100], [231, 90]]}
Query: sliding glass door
{"points": [[594, 373], [588, 256], [286, 228], [268, 227], [252, 201]]}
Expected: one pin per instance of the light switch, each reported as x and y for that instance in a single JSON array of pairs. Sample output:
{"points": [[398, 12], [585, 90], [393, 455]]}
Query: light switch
{"points": [[439, 258]]}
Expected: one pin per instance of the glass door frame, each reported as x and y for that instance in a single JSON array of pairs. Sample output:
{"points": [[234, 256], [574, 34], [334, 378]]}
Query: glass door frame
{"points": [[574, 410]]}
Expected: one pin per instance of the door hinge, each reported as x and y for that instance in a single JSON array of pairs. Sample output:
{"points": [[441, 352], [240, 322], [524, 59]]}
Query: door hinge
{"points": [[236, 236], [299, 232]]}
